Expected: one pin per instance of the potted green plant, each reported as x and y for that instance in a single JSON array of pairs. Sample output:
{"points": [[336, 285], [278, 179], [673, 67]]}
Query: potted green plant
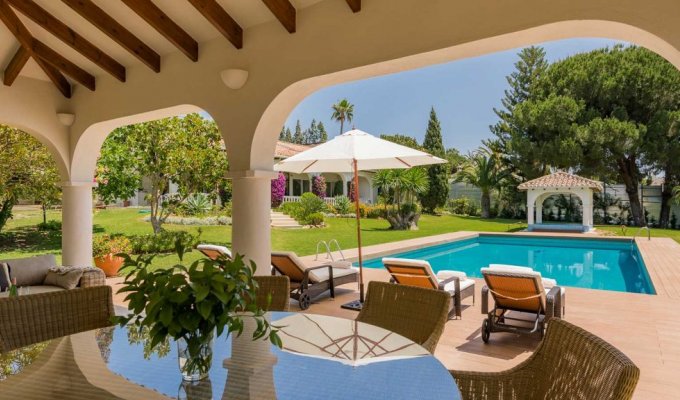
{"points": [[192, 304], [104, 250]]}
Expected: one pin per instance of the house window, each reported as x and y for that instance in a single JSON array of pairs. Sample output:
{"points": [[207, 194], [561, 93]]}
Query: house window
{"points": [[300, 186]]}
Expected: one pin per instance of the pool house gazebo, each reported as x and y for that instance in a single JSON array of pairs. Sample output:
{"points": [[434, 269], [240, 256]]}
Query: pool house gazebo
{"points": [[539, 189]]}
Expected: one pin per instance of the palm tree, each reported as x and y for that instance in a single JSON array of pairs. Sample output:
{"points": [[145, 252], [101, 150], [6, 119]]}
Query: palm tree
{"points": [[343, 111], [483, 170]]}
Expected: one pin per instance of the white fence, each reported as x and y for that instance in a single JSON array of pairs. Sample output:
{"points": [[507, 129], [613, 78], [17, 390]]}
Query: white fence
{"points": [[296, 199]]}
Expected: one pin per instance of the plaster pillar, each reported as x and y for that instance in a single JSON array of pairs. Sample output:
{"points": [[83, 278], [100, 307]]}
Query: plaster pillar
{"points": [[251, 207], [76, 228], [344, 184], [290, 184], [530, 214], [539, 210]]}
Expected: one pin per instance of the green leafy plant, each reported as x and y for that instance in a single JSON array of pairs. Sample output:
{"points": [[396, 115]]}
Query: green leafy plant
{"points": [[315, 219], [192, 302], [104, 245], [163, 242], [342, 205], [197, 204]]}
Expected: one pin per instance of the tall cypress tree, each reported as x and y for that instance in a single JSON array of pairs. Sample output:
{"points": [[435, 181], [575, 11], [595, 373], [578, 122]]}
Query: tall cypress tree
{"points": [[298, 137], [438, 190], [323, 135], [288, 137]]}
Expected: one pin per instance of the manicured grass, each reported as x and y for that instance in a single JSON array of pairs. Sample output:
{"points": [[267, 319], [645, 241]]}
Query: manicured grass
{"points": [[20, 238]]}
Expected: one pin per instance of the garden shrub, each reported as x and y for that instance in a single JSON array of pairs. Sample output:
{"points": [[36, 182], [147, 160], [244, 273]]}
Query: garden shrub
{"points": [[315, 219], [278, 190], [50, 225], [197, 204], [343, 205], [163, 242], [291, 209], [310, 204], [319, 186], [459, 206]]}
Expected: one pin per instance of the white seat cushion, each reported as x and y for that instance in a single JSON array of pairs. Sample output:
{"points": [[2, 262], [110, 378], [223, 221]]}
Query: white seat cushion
{"points": [[508, 267], [446, 274], [213, 247], [321, 274], [341, 264], [464, 284]]}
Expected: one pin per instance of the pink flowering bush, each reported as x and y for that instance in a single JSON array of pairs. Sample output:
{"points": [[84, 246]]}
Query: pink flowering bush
{"points": [[278, 190], [319, 186]]}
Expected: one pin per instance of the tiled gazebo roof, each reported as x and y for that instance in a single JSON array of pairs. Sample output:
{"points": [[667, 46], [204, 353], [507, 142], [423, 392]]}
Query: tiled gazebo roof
{"points": [[561, 180]]}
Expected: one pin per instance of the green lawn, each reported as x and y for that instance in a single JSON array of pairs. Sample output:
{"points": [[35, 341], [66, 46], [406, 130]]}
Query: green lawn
{"points": [[21, 238]]}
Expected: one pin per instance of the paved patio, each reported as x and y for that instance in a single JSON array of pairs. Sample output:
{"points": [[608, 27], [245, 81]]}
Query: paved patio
{"points": [[644, 327]]}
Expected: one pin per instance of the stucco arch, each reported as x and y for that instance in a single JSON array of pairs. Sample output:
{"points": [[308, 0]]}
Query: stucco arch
{"points": [[87, 148], [269, 125]]}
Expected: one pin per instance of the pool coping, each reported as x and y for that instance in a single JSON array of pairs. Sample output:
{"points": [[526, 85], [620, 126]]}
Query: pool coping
{"points": [[659, 255]]}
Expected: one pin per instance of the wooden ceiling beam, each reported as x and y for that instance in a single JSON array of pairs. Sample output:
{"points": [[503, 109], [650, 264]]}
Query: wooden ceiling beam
{"points": [[56, 77], [221, 20], [51, 24], [284, 12], [355, 5], [155, 17], [15, 65], [97, 17], [39, 50]]}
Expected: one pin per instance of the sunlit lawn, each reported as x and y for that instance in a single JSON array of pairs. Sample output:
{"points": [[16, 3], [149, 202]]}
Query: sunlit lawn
{"points": [[22, 239]]}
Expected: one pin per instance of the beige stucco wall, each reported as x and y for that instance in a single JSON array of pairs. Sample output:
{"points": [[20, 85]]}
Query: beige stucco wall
{"points": [[331, 45]]}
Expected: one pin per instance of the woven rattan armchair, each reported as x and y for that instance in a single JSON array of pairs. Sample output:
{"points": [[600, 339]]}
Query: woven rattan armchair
{"points": [[35, 318], [570, 363], [279, 289], [416, 313]]}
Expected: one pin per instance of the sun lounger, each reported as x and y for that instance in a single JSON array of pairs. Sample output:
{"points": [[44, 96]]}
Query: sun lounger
{"points": [[213, 252]]}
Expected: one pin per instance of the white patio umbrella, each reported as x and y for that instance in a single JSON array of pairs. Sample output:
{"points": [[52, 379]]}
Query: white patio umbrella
{"points": [[356, 151]]}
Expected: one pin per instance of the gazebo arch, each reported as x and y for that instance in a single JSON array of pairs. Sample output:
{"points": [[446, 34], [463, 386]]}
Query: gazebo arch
{"points": [[541, 188]]}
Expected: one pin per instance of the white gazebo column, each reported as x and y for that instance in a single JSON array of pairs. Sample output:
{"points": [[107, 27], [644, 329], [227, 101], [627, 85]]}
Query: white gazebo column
{"points": [[251, 207], [587, 204], [76, 228], [531, 201], [539, 210]]}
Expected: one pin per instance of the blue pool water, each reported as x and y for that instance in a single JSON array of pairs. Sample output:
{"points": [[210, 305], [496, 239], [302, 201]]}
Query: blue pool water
{"points": [[587, 263]]}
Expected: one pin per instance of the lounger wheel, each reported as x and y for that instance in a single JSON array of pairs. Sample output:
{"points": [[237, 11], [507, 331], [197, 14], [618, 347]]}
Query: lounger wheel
{"points": [[304, 301], [486, 331]]}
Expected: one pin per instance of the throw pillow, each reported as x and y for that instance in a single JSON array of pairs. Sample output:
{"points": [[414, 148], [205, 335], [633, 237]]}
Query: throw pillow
{"points": [[66, 278]]}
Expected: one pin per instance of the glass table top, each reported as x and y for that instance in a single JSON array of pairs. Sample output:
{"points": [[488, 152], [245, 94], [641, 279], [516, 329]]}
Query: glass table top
{"points": [[322, 358]]}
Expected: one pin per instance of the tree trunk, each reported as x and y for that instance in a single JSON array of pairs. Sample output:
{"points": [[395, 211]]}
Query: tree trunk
{"points": [[629, 173], [667, 197], [6, 211], [486, 204], [44, 210]]}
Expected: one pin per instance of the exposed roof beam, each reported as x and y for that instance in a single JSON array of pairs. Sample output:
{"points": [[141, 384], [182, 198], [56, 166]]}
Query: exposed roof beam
{"points": [[155, 17], [221, 20], [97, 17], [284, 12], [15, 65], [355, 5], [56, 77], [39, 50], [70, 37]]}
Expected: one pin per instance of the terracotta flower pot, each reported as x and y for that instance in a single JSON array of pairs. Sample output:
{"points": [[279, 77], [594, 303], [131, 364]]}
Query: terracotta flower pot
{"points": [[109, 263]]}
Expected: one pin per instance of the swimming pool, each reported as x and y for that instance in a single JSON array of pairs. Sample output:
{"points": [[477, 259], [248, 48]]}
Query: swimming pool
{"points": [[605, 264]]}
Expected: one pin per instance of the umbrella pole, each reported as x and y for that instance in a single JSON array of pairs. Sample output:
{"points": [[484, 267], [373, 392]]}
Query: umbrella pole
{"points": [[358, 214]]}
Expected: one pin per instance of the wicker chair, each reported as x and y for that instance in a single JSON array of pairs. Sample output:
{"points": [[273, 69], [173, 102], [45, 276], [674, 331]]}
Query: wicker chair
{"points": [[416, 313], [35, 318], [279, 289], [570, 363]]}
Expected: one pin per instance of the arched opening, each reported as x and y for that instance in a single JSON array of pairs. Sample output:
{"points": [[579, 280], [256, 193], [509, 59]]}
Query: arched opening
{"points": [[560, 208]]}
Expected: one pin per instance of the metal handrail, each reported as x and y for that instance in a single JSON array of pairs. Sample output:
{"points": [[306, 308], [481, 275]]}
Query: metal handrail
{"points": [[337, 244], [328, 250], [649, 234]]}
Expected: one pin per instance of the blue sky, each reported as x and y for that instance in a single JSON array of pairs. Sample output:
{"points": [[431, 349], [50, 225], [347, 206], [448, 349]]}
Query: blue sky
{"points": [[462, 92]]}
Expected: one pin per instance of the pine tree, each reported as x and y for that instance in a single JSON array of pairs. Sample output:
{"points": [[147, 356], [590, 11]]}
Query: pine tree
{"points": [[438, 190], [282, 135], [312, 134], [289, 136], [298, 137], [323, 135]]}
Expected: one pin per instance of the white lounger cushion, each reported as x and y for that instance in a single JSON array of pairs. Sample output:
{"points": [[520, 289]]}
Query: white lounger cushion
{"points": [[548, 283], [464, 284], [321, 274], [446, 274], [341, 264], [213, 247], [440, 276]]}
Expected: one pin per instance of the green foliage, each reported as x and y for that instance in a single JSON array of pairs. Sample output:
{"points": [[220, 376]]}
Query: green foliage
{"points": [[27, 170], [483, 170], [316, 133], [461, 206], [401, 186], [343, 111], [197, 204], [163, 242], [103, 245], [403, 140], [314, 219], [192, 301], [342, 205], [187, 151], [14, 361], [52, 225], [455, 160], [438, 189]]}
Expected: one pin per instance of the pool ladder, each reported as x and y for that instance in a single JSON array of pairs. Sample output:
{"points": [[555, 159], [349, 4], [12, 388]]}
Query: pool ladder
{"points": [[649, 234], [328, 245]]}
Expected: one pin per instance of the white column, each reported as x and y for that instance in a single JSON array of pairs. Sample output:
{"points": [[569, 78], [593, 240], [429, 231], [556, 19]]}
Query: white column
{"points": [[530, 214], [539, 210], [290, 184], [344, 184], [251, 206], [76, 227]]}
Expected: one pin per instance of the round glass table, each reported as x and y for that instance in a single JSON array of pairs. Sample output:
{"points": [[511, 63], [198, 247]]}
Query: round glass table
{"points": [[322, 358]]}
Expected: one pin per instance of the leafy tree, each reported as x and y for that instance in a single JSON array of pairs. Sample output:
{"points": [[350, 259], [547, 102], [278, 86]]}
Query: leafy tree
{"points": [[403, 140], [438, 188], [662, 152], [298, 137], [323, 135], [186, 151], [483, 170], [343, 111], [288, 136], [312, 133], [27, 170], [402, 187], [454, 158]]}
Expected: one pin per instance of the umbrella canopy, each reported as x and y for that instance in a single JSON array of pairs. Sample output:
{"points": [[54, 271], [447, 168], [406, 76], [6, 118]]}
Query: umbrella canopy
{"points": [[343, 340], [370, 153]]}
